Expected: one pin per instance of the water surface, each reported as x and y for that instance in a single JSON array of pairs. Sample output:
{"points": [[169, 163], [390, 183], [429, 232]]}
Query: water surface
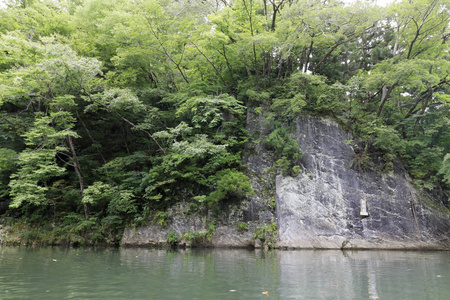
{"points": [[53, 273]]}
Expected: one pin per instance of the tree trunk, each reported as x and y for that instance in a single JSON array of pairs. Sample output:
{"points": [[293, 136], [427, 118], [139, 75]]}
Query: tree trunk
{"points": [[77, 168], [385, 92], [422, 112]]}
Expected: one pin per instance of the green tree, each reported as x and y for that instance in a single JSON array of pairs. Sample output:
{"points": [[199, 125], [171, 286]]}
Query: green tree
{"points": [[51, 81], [37, 164]]}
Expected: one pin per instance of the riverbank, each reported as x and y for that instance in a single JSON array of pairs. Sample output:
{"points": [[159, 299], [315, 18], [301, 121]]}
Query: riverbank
{"points": [[328, 204], [156, 237], [49, 234]]}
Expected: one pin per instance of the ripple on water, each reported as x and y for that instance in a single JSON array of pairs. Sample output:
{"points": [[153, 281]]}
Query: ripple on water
{"points": [[48, 273]]}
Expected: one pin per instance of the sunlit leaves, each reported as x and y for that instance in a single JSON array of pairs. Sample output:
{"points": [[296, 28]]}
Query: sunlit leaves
{"points": [[229, 183], [445, 168], [17, 58], [420, 27], [153, 94], [37, 164], [48, 83], [30, 183], [66, 72], [312, 30], [291, 107], [118, 202], [44, 70], [210, 111], [16, 50], [197, 148], [116, 100], [48, 131], [40, 18], [412, 75]]}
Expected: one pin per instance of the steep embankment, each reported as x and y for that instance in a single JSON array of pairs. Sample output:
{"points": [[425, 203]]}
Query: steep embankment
{"points": [[319, 208]]}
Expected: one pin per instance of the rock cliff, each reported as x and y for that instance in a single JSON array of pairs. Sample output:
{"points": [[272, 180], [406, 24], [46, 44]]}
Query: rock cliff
{"points": [[329, 205]]}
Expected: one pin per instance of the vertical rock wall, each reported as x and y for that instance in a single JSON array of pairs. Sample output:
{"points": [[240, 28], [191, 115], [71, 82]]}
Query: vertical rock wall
{"points": [[321, 207]]}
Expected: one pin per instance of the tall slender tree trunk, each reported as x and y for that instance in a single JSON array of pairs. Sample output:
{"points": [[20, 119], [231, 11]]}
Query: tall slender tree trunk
{"points": [[385, 92], [77, 168]]}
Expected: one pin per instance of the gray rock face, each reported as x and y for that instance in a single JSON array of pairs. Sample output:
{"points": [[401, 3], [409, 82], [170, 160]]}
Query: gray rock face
{"points": [[321, 208], [192, 230], [155, 235]]}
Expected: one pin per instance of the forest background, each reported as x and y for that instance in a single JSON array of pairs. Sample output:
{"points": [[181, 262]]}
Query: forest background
{"points": [[114, 110]]}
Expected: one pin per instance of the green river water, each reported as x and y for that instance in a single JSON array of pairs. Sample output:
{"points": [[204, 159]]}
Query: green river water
{"points": [[54, 273]]}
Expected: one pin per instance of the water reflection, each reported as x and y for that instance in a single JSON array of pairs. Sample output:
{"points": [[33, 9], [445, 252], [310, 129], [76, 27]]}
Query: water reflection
{"points": [[364, 275], [202, 274], [50, 273]]}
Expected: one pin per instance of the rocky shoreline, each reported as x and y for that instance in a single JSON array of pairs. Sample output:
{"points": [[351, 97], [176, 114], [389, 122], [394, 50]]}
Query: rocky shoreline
{"points": [[329, 205]]}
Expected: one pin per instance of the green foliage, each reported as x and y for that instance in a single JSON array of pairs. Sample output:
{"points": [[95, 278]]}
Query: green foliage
{"points": [[118, 202], [196, 238], [388, 140], [210, 112], [160, 218], [211, 230], [97, 192], [267, 234], [310, 92], [72, 229], [445, 169], [30, 183], [116, 100], [286, 149], [229, 184], [128, 108], [242, 226], [124, 203], [8, 158], [200, 238], [289, 108], [179, 169], [172, 238], [126, 172], [259, 97]]}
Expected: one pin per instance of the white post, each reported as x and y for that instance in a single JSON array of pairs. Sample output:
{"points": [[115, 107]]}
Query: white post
{"points": [[363, 212]]}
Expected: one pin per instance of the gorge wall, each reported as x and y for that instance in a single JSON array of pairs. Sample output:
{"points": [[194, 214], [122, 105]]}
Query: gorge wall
{"points": [[321, 208], [329, 205]]}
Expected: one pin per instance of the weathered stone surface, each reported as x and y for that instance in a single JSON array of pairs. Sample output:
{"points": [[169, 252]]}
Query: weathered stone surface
{"points": [[321, 207], [231, 237], [154, 235], [146, 236]]}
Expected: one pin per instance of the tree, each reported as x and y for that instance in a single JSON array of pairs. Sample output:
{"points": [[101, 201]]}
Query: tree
{"points": [[52, 81], [37, 164], [118, 109]]}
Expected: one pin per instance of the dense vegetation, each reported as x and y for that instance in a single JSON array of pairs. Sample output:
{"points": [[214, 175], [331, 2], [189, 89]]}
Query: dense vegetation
{"points": [[114, 110]]}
